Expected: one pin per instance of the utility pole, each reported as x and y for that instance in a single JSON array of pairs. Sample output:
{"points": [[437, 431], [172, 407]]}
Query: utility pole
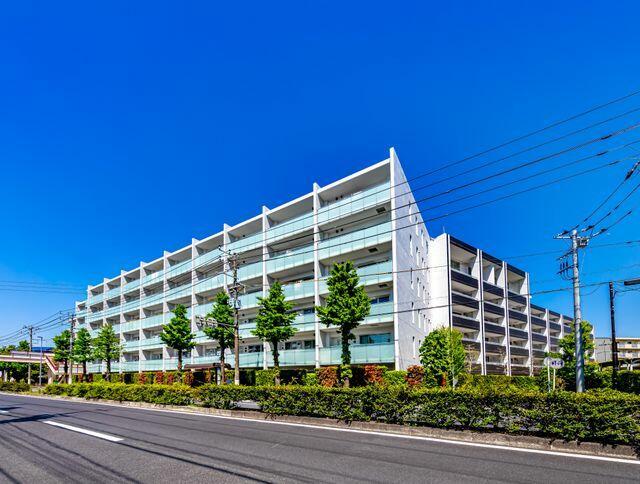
{"points": [[30, 328], [72, 323], [577, 242], [40, 370], [235, 291], [614, 342]]}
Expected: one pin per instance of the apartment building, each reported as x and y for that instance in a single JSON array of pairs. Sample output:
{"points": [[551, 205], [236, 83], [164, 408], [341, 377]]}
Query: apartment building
{"points": [[415, 283], [628, 351]]}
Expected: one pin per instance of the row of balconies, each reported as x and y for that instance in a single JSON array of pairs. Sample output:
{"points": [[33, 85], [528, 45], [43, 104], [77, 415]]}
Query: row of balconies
{"points": [[360, 354]]}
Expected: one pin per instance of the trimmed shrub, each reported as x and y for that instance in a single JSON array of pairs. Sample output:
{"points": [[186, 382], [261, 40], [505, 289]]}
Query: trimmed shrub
{"points": [[373, 374], [502, 382], [415, 375], [395, 377], [158, 378], [160, 394], [266, 377], [14, 386], [208, 376], [628, 381], [310, 379], [187, 378], [98, 377], [327, 376], [170, 377]]}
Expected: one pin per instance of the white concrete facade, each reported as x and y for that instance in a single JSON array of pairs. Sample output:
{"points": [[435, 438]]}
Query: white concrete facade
{"points": [[370, 218]]}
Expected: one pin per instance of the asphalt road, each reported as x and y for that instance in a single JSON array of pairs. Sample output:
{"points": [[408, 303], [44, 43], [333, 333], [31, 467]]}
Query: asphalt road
{"points": [[174, 447]]}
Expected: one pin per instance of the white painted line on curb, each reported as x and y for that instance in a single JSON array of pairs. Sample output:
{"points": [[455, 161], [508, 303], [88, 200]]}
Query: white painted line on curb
{"points": [[370, 432], [108, 437]]}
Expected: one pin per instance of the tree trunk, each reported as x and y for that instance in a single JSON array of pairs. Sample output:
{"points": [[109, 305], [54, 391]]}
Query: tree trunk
{"points": [[66, 370], [276, 361], [84, 371], [222, 368], [346, 355], [108, 369], [180, 365]]}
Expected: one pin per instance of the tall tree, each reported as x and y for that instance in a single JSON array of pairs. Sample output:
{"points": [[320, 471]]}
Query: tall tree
{"points": [[273, 323], [178, 335], [442, 355], [82, 350], [567, 345], [346, 305], [222, 331], [107, 347], [61, 349], [18, 371]]}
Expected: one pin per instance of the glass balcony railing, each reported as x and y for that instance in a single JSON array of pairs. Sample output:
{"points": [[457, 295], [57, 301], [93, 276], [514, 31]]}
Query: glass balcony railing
{"points": [[207, 258], [149, 342], [152, 278], [246, 243], [130, 326], [290, 227], [359, 239], [151, 321], [130, 345], [250, 300], [110, 294], [130, 286], [380, 313], [95, 317], [250, 271], [373, 274], [355, 203], [178, 269], [287, 259], [129, 365], [302, 357], [210, 283], [91, 300], [376, 353], [178, 292], [305, 322], [130, 306], [111, 311], [151, 365], [299, 290], [151, 299]]}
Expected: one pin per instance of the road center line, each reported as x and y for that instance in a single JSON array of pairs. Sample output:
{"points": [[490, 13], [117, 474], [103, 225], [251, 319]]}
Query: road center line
{"points": [[111, 438]]}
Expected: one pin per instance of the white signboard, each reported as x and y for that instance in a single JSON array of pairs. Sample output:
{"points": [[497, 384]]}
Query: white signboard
{"points": [[555, 363]]}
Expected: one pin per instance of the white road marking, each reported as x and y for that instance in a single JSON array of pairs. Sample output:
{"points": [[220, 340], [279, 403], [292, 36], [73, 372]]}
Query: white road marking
{"points": [[4, 411], [370, 432], [111, 438]]}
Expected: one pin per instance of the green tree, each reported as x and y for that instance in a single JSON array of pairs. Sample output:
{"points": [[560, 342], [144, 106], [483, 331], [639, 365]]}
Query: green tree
{"points": [[273, 323], [442, 355], [567, 345], [82, 350], [178, 335], [346, 305], [107, 347], [222, 331], [17, 371], [61, 349]]}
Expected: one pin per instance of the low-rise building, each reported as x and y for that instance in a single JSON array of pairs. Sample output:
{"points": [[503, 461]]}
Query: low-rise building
{"points": [[628, 351]]}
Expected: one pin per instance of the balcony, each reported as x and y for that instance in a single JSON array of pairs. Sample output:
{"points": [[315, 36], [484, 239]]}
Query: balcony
{"points": [[465, 279], [493, 309], [494, 328], [373, 274], [554, 326], [492, 289], [355, 203], [98, 298], [495, 349], [517, 298], [129, 366], [374, 353], [299, 290], [151, 321], [538, 337], [465, 322], [131, 286], [250, 300], [152, 299], [112, 293], [207, 258], [150, 365], [517, 316], [130, 326], [380, 313], [178, 269], [357, 240], [462, 300], [302, 357], [153, 278], [250, 271], [519, 351], [290, 227], [518, 333], [178, 292], [154, 341], [305, 322], [130, 345], [287, 259], [208, 284], [245, 244], [131, 306], [536, 321]]}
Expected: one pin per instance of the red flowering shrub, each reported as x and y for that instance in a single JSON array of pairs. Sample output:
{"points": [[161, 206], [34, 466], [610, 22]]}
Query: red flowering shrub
{"points": [[415, 375], [327, 376], [171, 376], [187, 378], [373, 374], [159, 378]]}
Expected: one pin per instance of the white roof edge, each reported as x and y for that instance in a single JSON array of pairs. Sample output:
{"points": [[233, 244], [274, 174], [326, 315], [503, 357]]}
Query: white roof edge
{"points": [[356, 174]]}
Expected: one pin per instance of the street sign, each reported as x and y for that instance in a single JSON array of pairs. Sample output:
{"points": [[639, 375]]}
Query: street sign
{"points": [[555, 363]]}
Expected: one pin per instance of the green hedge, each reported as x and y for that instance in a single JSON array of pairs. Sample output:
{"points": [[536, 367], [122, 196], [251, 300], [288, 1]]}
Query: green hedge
{"points": [[501, 382], [628, 381], [600, 416], [14, 386]]}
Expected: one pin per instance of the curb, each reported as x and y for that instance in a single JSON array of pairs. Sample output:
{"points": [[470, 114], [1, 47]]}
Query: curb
{"points": [[624, 452]]}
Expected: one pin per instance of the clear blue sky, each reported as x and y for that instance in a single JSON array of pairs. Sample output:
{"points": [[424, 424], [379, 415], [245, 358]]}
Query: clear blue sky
{"points": [[123, 125]]}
